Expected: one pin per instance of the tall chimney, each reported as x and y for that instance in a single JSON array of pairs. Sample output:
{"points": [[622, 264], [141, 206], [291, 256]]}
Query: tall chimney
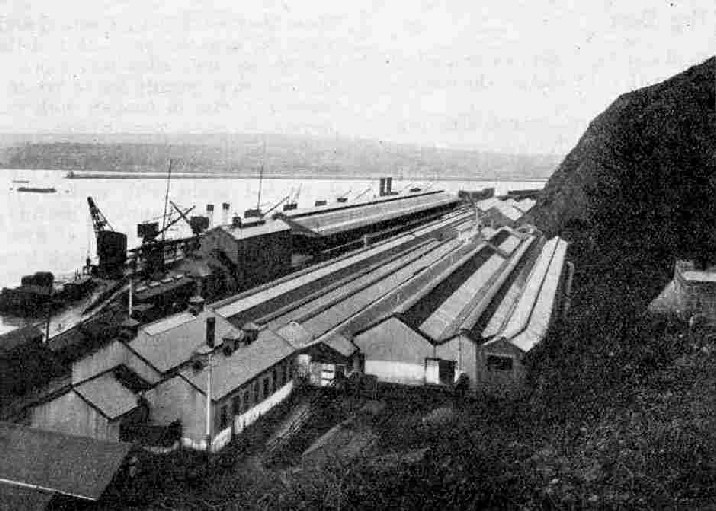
{"points": [[381, 187], [210, 331], [225, 213], [388, 185], [210, 214]]}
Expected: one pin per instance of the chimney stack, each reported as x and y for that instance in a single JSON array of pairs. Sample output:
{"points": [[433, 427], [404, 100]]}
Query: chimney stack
{"points": [[381, 187], [225, 207], [388, 185], [196, 305], [236, 221], [210, 331], [251, 332], [210, 214]]}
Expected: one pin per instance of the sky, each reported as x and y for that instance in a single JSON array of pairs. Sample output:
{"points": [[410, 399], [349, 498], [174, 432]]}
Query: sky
{"points": [[501, 75]]}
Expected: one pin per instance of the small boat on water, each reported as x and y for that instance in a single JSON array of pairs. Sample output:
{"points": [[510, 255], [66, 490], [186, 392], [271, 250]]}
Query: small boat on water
{"points": [[20, 180], [34, 189]]}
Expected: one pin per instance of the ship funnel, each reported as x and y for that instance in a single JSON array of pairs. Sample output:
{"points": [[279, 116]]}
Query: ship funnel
{"points": [[210, 214], [225, 207]]}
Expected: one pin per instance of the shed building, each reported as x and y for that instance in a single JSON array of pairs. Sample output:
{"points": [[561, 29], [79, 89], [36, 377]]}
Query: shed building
{"points": [[49, 466]]}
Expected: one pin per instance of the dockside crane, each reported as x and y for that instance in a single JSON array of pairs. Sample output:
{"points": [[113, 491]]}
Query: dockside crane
{"points": [[272, 208], [197, 225], [111, 245], [152, 250]]}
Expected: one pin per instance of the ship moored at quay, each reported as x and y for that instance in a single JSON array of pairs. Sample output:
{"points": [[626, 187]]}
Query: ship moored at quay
{"points": [[416, 290]]}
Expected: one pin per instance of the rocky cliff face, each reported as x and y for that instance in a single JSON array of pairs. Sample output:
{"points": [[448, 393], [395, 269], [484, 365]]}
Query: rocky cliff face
{"points": [[644, 172]]}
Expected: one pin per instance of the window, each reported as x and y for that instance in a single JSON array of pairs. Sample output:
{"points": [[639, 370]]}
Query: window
{"points": [[224, 422], [274, 381], [289, 370], [236, 405], [247, 403], [266, 387], [498, 363], [256, 392], [281, 373]]}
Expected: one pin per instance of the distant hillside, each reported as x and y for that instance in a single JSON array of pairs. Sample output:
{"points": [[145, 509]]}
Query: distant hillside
{"points": [[245, 154]]}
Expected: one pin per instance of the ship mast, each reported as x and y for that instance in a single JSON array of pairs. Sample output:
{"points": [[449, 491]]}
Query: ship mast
{"points": [[166, 200], [261, 179]]}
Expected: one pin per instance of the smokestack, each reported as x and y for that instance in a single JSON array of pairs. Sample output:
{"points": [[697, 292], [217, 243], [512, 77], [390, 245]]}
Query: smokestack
{"points": [[381, 187], [196, 304], [388, 185], [210, 331], [210, 214], [225, 207]]}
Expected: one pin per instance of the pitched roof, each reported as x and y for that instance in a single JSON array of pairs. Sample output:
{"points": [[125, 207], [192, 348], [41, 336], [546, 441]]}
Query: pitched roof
{"points": [[252, 230], [336, 220], [341, 344], [296, 335], [230, 372], [107, 394], [170, 342], [510, 212], [71, 465]]}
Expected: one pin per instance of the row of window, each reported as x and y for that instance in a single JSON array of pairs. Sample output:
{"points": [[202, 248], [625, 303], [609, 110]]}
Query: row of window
{"points": [[256, 392]]}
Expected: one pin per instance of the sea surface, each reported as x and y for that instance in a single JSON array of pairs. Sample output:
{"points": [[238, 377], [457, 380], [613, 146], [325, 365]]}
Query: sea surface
{"points": [[53, 231]]}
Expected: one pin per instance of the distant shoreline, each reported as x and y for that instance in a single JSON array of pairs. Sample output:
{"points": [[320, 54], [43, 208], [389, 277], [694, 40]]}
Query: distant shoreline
{"points": [[185, 175]]}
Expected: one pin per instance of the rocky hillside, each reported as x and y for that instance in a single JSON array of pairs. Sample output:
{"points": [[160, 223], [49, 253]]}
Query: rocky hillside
{"points": [[644, 171]]}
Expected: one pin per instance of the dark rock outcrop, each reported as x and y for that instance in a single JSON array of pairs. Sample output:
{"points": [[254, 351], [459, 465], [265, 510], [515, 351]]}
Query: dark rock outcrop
{"points": [[644, 173]]}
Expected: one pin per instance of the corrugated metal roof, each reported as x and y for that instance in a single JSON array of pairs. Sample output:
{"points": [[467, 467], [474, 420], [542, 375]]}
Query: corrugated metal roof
{"points": [[509, 211], [542, 313], [510, 243], [332, 222], [270, 227], [171, 342], [231, 372], [296, 335], [343, 310], [71, 465], [486, 204], [107, 394], [523, 310], [362, 203], [315, 306], [499, 319], [450, 309], [246, 301], [341, 344]]}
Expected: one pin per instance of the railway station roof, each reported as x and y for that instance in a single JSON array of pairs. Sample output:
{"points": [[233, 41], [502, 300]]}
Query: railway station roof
{"points": [[329, 221]]}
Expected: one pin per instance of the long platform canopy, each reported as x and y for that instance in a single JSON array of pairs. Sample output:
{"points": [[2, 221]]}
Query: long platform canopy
{"points": [[326, 221]]}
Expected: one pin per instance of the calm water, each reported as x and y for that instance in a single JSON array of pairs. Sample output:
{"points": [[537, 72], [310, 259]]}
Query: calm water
{"points": [[54, 231]]}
